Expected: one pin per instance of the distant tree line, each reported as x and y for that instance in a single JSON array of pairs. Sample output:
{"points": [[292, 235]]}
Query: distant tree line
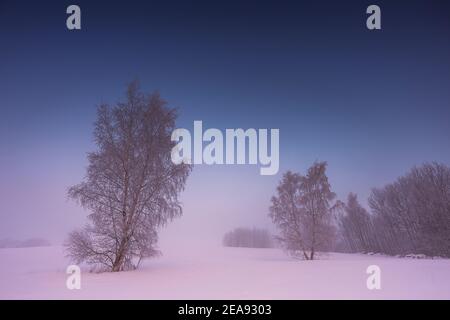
{"points": [[249, 238], [410, 215], [27, 243]]}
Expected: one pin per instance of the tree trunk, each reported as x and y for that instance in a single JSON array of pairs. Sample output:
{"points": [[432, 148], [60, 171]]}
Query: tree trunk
{"points": [[117, 265], [118, 262]]}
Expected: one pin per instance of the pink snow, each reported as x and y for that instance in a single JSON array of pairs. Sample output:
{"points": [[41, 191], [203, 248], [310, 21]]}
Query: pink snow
{"points": [[184, 272]]}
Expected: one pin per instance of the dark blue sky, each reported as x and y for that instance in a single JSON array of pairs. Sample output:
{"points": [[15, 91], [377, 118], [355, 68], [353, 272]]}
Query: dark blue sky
{"points": [[371, 103]]}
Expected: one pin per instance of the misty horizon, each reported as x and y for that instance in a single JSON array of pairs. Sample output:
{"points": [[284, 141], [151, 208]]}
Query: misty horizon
{"points": [[372, 105]]}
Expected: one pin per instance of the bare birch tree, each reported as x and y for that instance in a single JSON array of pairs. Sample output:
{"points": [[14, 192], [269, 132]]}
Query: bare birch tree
{"points": [[302, 210], [131, 186]]}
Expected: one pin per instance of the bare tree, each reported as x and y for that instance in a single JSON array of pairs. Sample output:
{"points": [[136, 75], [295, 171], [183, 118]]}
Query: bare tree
{"points": [[131, 187], [302, 210], [356, 227]]}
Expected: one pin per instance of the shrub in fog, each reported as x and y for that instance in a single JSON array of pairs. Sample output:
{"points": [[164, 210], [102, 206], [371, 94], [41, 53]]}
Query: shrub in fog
{"points": [[250, 238]]}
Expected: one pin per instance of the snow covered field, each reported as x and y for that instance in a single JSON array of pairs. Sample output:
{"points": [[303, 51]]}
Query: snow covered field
{"points": [[224, 273]]}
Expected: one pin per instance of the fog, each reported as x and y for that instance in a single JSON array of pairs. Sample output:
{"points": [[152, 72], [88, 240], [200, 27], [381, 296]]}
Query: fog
{"points": [[371, 105]]}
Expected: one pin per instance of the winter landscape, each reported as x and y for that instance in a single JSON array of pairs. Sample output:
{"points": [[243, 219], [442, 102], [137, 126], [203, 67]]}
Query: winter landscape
{"points": [[224, 150]]}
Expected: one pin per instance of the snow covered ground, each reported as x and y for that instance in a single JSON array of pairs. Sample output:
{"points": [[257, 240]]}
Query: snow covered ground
{"points": [[224, 273]]}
